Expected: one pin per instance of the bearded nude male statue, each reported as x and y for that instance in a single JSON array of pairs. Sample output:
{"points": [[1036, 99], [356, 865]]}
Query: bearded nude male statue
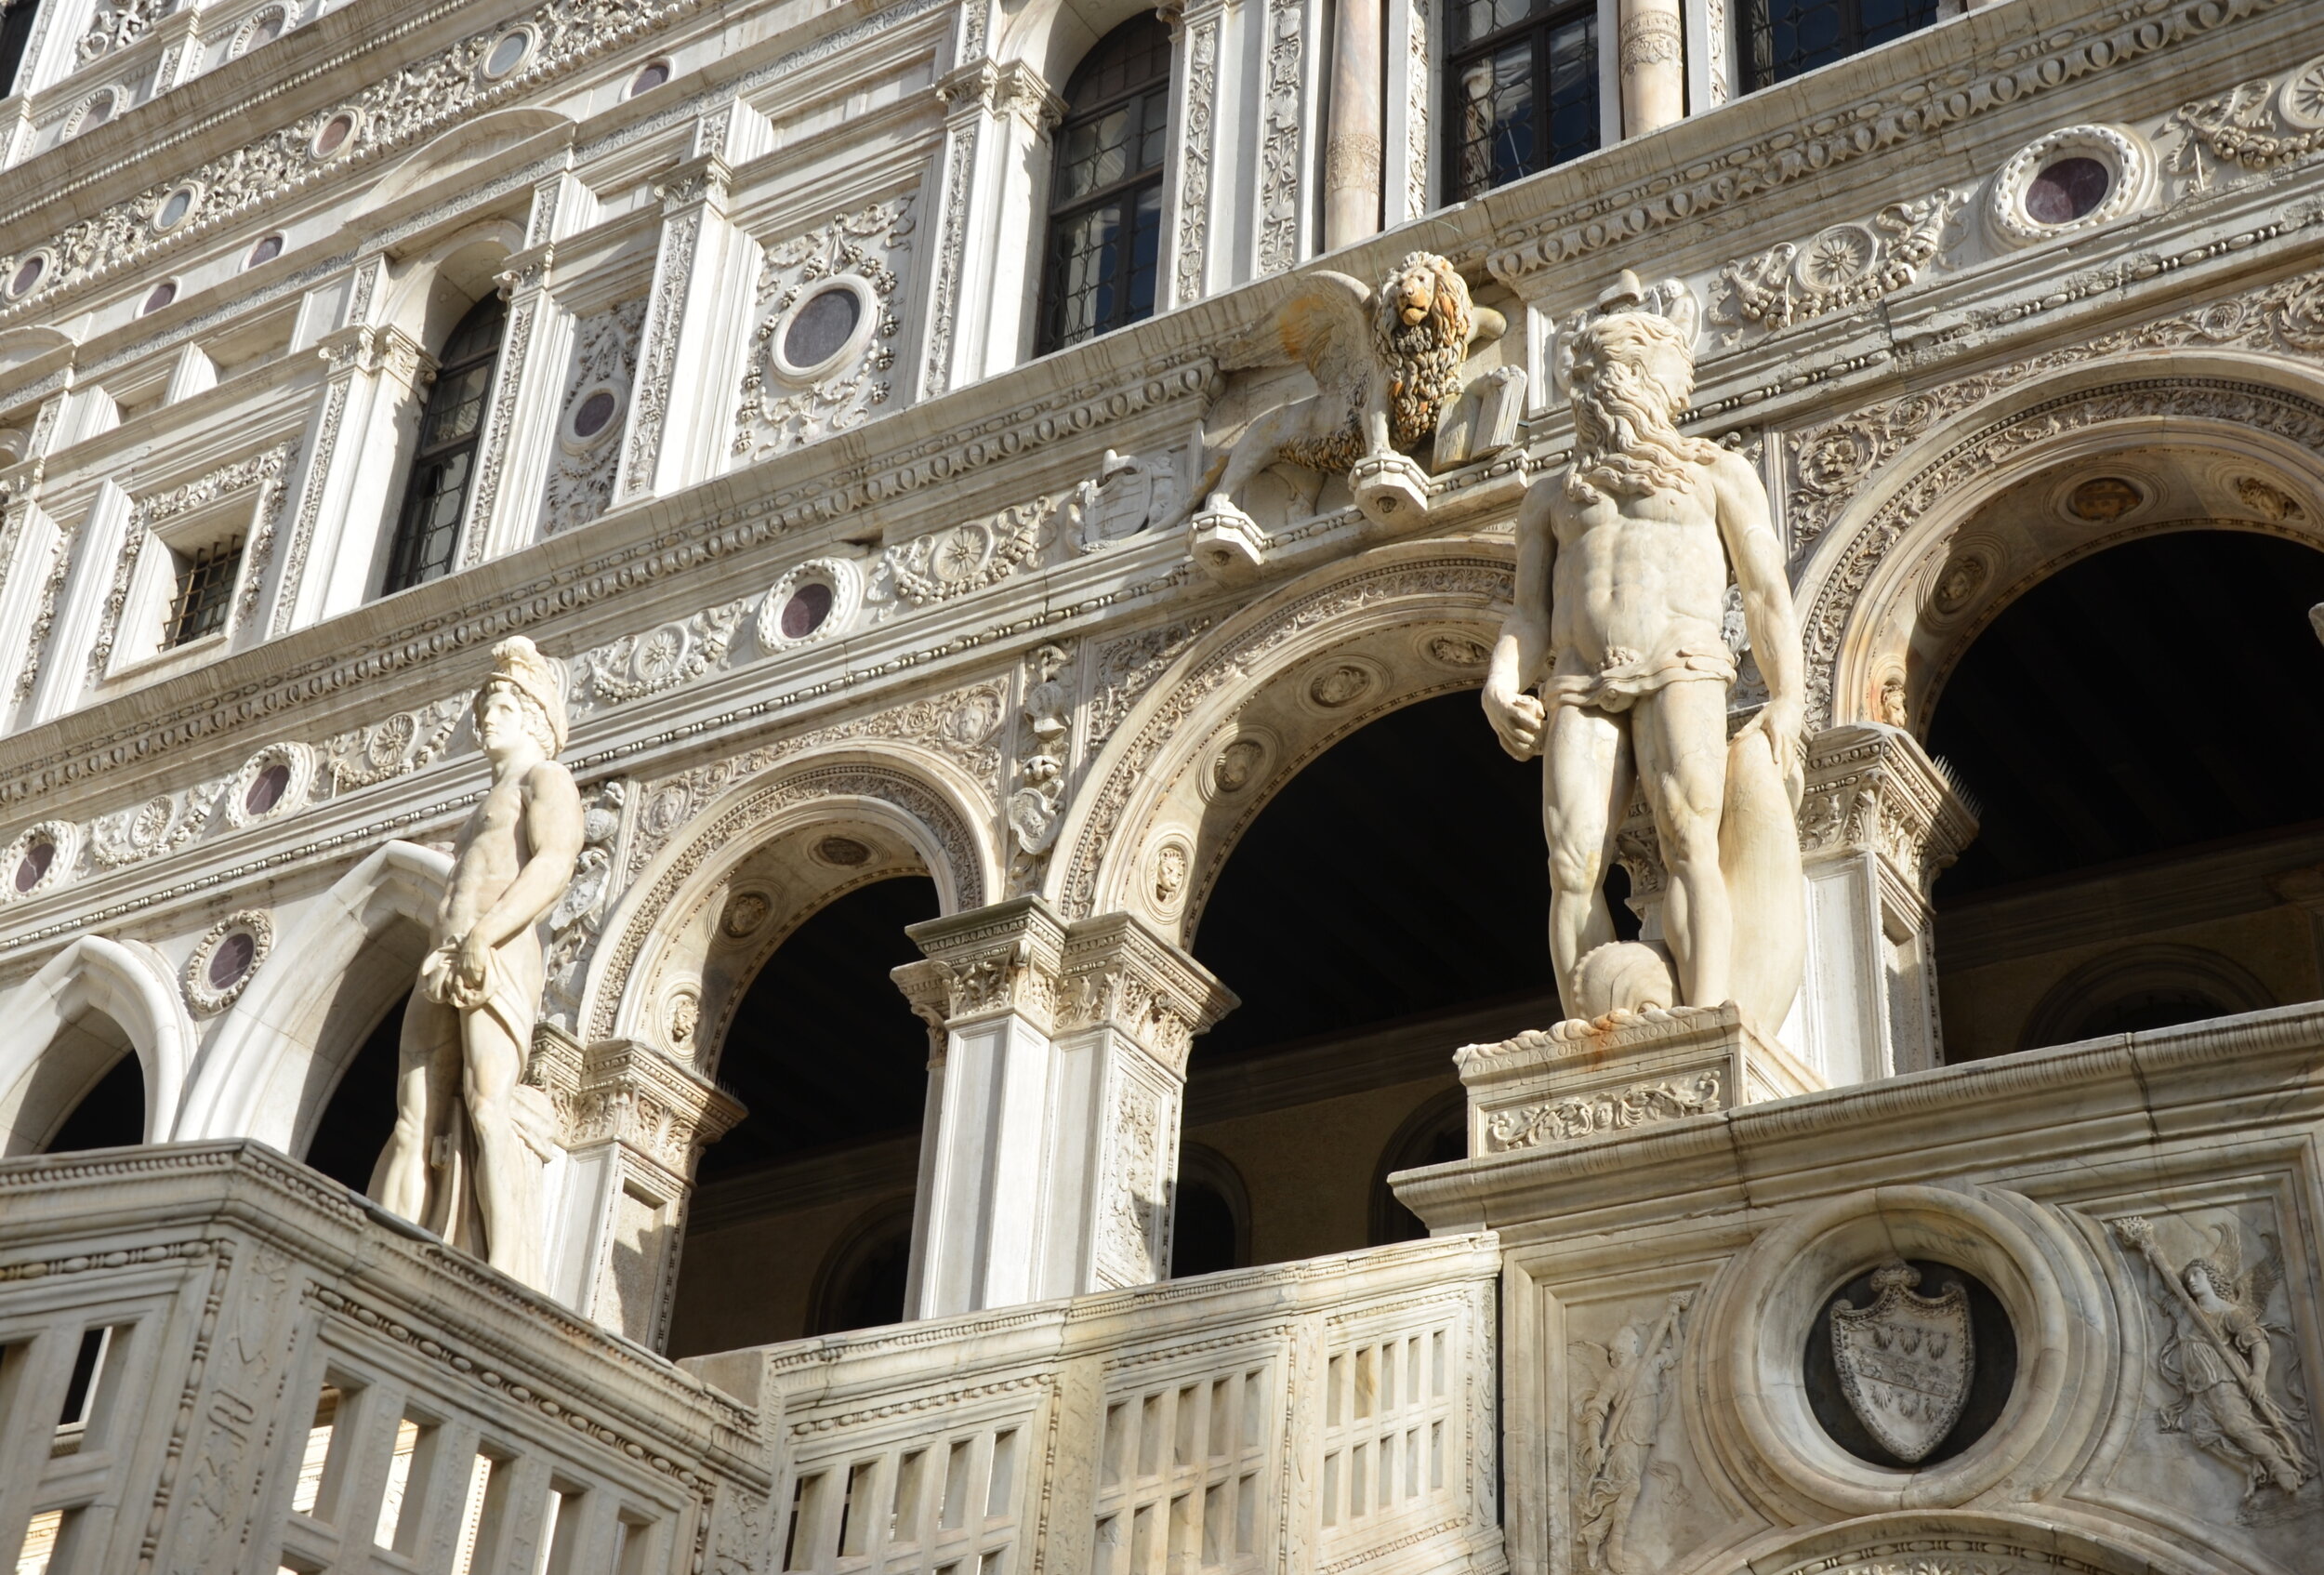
{"points": [[456, 1162], [1612, 665]]}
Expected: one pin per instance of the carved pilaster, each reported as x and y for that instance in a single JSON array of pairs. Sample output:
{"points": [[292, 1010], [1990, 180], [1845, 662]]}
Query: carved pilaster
{"points": [[520, 433], [633, 1124], [1056, 1073], [1879, 822]]}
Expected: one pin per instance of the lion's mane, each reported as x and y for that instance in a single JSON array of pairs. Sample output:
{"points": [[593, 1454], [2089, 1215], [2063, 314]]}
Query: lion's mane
{"points": [[1425, 356]]}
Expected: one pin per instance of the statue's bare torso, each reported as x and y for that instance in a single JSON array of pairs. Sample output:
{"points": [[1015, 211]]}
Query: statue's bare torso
{"points": [[1636, 579], [493, 845]]}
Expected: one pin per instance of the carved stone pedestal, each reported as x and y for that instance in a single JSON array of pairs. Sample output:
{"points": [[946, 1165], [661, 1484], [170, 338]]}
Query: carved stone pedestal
{"points": [[1049, 1159], [1392, 490], [1225, 545], [1541, 1089]]}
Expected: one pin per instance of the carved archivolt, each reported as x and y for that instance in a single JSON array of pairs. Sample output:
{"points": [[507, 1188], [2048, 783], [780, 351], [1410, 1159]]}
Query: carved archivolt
{"points": [[1169, 731], [930, 812], [1847, 590]]}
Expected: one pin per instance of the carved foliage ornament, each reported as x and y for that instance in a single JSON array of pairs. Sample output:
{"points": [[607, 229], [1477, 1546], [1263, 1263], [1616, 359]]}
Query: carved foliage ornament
{"points": [[827, 296], [1610, 1110], [1844, 267], [589, 428]]}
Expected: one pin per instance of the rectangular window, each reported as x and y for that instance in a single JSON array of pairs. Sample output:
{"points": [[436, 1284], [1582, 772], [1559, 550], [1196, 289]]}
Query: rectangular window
{"points": [[1783, 38], [1521, 88], [205, 589]]}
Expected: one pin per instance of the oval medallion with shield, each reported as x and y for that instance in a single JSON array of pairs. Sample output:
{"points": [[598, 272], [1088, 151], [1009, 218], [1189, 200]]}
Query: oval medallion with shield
{"points": [[1906, 1361]]}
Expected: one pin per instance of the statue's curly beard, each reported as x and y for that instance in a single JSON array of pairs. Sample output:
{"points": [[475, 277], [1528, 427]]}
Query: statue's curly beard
{"points": [[1625, 440]]}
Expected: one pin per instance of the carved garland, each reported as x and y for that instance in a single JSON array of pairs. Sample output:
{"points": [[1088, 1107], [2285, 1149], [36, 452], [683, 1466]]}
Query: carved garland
{"points": [[855, 779], [2250, 406]]}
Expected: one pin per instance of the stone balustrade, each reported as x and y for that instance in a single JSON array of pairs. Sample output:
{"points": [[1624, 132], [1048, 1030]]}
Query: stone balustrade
{"points": [[208, 1349], [211, 1353], [1319, 1415]]}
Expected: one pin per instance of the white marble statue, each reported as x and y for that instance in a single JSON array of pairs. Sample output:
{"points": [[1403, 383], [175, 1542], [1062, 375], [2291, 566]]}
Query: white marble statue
{"points": [[1386, 363], [1613, 665], [458, 1162]]}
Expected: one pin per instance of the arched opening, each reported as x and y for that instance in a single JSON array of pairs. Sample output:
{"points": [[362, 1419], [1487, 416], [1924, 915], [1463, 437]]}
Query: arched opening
{"points": [[828, 1059], [353, 1130], [426, 538], [1389, 905], [1437, 1134], [1210, 1227], [2144, 733], [1102, 260], [112, 1114]]}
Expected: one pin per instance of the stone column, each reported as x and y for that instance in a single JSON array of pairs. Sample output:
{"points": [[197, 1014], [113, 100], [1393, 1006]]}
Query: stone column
{"points": [[1653, 66], [1352, 151], [622, 1126], [1058, 1063], [1879, 822], [697, 331]]}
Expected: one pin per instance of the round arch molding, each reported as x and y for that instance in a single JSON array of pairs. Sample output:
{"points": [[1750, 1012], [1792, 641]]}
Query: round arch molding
{"points": [[42, 1079], [732, 882], [1962, 1542], [1885, 568], [1248, 706]]}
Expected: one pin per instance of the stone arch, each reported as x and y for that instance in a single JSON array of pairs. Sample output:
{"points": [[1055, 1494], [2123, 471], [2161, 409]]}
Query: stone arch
{"points": [[1913, 566], [1192, 763], [1051, 36], [54, 1053], [2122, 974], [708, 908], [445, 158], [431, 292], [2065, 1542], [341, 964]]}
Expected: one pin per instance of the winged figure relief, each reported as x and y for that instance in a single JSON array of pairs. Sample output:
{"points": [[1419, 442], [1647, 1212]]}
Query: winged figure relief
{"points": [[1386, 365]]}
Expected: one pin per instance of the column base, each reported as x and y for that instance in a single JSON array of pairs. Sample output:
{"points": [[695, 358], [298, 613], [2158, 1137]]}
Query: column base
{"points": [[1559, 1085]]}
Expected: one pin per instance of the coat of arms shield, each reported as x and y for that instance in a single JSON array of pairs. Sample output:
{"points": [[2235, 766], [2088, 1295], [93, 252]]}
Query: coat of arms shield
{"points": [[1904, 1361]]}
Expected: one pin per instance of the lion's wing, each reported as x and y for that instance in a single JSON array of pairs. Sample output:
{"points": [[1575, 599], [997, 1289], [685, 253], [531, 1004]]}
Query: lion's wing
{"points": [[1324, 324]]}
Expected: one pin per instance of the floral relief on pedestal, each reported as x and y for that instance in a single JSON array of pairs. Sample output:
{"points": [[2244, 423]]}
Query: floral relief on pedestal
{"points": [[580, 483], [785, 404]]}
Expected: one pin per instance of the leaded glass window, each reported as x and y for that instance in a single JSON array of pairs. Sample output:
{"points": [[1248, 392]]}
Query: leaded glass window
{"points": [[1102, 260], [1782, 38], [1520, 87], [427, 528]]}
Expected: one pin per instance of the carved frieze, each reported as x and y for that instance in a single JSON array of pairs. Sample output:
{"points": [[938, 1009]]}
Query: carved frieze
{"points": [[161, 824], [663, 658], [1608, 1110], [1840, 268]]}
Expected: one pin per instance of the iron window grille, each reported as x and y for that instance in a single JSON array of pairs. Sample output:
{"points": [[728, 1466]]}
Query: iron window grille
{"points": [[1783, 38], [427, 527], [1103, 257], [1521, 83], [205, 589]]}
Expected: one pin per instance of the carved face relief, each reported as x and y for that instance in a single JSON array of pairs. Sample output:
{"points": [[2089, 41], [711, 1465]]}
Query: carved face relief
{"points": [[1173, 862], [2267, 500], [1340, 686], [747, 914], [1236, 764], [2103, 499]]}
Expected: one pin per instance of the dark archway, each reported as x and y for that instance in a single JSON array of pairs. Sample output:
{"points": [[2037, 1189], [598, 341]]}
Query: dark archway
{"points": [[863, 1281], [360, 1116], [1389, 905], [112, 1115], [832, 1065], [1436, 1133], [2143, 733]]}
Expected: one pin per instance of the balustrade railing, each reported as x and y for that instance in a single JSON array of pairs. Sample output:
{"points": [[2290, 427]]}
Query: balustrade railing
{"points": [[212, 1359], [1322, 1415]]}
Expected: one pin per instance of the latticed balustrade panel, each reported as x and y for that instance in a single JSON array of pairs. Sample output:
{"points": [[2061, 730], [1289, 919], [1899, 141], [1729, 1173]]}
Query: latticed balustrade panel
{"points": [[1400, 1452], [1182, 1470], [942, 1495]]}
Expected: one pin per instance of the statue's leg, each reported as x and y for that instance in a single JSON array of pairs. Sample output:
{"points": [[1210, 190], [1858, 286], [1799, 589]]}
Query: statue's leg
{"points": [[1585, 790], [426, 1081], [495, 1063], [1680, 732]]}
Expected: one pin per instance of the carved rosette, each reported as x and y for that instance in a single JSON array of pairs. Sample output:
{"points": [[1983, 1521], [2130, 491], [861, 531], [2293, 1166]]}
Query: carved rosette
{"points": [[1874, 789]]}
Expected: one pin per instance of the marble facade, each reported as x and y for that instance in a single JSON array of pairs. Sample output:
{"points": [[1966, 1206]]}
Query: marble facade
{"points": [[975, 614]]}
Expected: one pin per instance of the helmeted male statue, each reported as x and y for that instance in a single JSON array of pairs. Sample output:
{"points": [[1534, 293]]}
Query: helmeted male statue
{"points": [[1612, 665], [456, 1162]]}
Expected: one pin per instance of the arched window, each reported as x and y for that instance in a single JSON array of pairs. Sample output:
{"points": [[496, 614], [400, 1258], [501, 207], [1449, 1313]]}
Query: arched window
{"points": [[427, 527], [862, 1281], [1211, 1230], [1105, 194], [1436, 1133]]}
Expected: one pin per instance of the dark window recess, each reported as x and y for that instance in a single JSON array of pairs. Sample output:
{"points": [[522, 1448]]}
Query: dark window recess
{"points": [[1105, 194], [427, 528], [16, 32], [1522, 89], [1782, 38], [206, 589]]}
